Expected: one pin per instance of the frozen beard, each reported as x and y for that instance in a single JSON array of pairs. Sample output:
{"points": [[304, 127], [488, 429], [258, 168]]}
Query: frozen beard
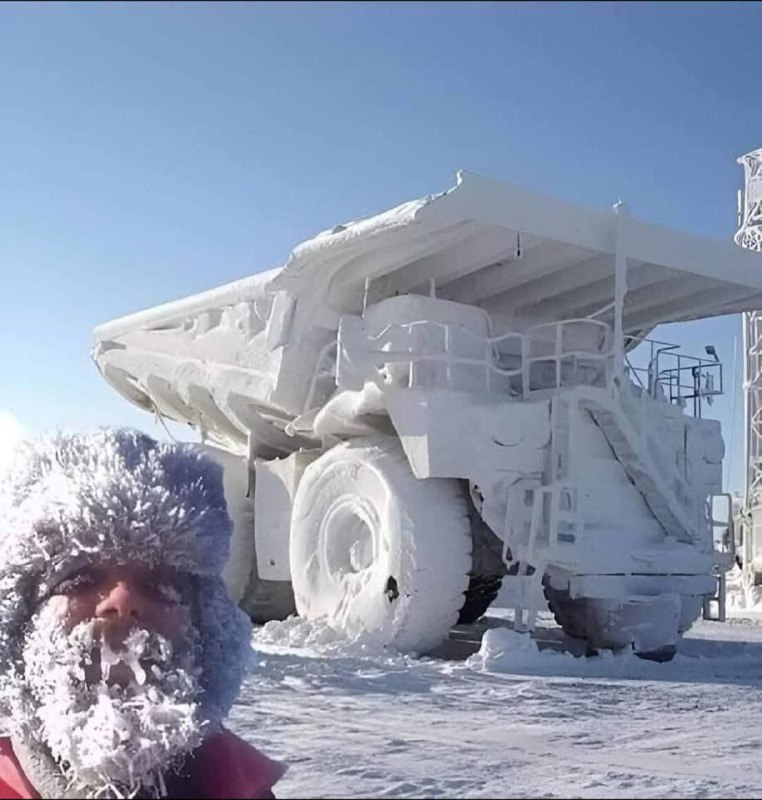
{"points": [[111, 739]]}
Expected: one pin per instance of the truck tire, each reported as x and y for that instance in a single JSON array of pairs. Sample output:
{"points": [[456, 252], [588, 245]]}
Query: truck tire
{"points": [[376, 551], [570, 613], [580, 618], [267, 600], [692, 607], [481, 593]]}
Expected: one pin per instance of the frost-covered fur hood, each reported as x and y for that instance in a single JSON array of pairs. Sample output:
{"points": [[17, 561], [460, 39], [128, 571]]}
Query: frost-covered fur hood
{"points": [[118, 495]]}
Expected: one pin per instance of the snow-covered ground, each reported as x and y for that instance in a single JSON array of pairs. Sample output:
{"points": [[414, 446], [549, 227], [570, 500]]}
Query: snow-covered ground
{"points": [[496, 714]]}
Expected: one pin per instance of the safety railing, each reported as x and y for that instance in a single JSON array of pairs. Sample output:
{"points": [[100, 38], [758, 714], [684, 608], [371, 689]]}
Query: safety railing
{"points": [[554, 348], [687, 381], [546, 356]]}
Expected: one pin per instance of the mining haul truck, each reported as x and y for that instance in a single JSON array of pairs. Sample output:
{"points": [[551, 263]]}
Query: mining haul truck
{"points": [[425, 404]]}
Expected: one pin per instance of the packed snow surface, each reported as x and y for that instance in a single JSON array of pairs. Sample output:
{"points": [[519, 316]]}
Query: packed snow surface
{"points": [[494, 713]]}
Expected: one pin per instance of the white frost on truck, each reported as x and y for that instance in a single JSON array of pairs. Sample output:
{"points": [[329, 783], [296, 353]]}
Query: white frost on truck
{"points": [[428, 402]]}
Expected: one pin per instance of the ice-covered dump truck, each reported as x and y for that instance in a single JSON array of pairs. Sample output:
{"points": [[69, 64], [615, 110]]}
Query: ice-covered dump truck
{"points": [[424, 404]]}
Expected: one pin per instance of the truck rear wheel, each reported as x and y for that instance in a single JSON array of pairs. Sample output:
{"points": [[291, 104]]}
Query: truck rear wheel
{"points": [[267, 600], [263, 600], [592, 620], [481, 593], [375, 550], [571, 614]]}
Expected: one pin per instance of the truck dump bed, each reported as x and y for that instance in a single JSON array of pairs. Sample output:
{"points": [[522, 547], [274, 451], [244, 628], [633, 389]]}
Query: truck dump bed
{"points": [[243, 360]]}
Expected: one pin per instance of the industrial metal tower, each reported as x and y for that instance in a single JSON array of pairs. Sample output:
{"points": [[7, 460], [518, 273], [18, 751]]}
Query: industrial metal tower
{"points": [[749, 235]]}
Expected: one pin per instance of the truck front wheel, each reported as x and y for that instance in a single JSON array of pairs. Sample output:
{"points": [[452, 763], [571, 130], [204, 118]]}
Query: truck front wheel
{"points": [[376, 551]]}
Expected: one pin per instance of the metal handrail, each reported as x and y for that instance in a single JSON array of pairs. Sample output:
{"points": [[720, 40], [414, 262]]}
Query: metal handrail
{"points": [[490, 347], [670, 380]]}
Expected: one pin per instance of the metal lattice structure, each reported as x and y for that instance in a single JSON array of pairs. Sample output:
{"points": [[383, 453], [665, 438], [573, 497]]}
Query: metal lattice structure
{"points": [[749, 236], [749, 233]]}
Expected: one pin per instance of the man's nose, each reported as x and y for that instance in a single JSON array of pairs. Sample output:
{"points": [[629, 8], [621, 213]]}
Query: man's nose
{"points": [[123, 600]]}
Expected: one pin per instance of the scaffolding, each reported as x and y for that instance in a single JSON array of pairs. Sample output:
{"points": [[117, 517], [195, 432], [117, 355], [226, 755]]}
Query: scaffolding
{"points": [[749, 236]]}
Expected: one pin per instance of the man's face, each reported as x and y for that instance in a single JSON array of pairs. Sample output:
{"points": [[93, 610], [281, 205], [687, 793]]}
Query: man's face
{"points": [[111, 667], [120, 598]]}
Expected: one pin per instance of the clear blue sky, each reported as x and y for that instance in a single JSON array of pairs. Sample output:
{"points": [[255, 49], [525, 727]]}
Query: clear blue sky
{"points": [[151, 151]]}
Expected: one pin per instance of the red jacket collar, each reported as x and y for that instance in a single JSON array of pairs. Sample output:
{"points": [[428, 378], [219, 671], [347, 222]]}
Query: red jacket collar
{"points": [[225, 766]]}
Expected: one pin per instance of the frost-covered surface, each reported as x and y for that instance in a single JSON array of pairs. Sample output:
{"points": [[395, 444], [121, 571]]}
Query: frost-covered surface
{"points": [[512, 719], [81, 500], [115, 736], [358, 553], [743, 600], [117, 495]]}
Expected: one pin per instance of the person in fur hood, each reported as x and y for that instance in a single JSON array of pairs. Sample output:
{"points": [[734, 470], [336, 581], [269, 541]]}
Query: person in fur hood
{"points": [[121, 652]]}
